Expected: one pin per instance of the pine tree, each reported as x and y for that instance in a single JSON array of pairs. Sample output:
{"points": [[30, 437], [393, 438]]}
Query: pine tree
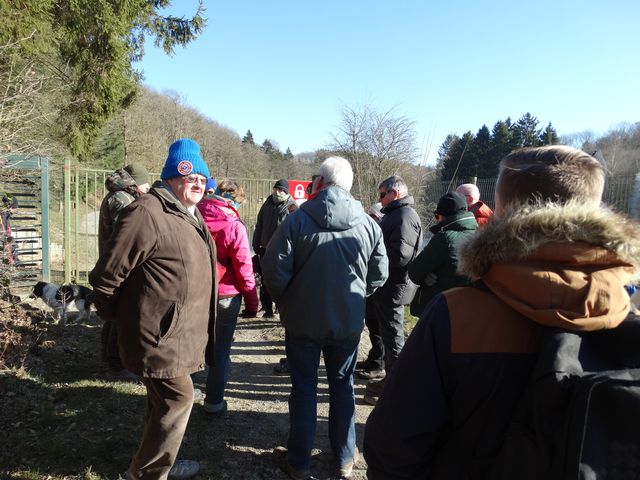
{"points": [[248, 138], [455, 164], [479, 151], [526, 132], [549, 136], [501, 143]]}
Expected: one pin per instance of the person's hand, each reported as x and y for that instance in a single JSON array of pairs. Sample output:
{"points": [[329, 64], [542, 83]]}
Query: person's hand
{"points": [[247, 314], [430, 279]]}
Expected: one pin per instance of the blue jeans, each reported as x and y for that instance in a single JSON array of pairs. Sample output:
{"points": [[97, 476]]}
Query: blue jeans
{"points": [[226, 319], [303, 358]]}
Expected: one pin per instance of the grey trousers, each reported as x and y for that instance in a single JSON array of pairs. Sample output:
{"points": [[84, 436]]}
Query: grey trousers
{"points": [[391, 322]]}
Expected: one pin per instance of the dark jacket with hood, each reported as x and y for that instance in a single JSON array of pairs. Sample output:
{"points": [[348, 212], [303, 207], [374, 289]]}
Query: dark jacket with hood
{"points": [[439, 257], [447, 403], [402, 232], [270, 216], [321, 264], [157, 278], [122, 192]]}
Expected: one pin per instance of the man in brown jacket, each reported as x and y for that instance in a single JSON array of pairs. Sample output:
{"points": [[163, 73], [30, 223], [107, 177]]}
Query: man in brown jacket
{"points": [[157, 279]]}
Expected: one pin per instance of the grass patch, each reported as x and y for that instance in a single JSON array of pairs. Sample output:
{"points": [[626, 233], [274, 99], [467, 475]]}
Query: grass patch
{"points": [[409, 321]]}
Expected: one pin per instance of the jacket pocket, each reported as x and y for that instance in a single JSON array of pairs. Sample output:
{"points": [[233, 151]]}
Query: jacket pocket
{"points": [[168, 324]]}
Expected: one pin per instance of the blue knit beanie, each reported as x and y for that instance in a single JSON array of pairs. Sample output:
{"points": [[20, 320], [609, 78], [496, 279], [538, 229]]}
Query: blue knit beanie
{"points": [[184, 159], [211, 184]]}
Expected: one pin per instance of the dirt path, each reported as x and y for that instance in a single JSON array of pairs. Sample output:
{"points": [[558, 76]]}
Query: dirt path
{"points": [[79, 420], [258, 411]]}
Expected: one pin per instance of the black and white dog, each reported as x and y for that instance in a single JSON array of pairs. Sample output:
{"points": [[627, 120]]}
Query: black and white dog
{"points": [[59, 297]]}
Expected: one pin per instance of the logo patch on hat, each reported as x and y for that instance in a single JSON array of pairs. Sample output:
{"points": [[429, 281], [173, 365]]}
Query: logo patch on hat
{"points": [[185, 167]]}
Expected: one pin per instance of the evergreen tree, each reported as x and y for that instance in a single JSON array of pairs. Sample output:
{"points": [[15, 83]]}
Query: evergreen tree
{"points": [[248, 138], [456, 161], [478, 152], [267, 147], [288, 156], [526, 132], [87, 49], [501, 143], [443, 153], [549, 136]]}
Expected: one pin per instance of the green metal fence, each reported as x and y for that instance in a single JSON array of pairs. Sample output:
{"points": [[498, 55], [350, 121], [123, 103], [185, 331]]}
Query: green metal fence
{"points": [[83, 191]]}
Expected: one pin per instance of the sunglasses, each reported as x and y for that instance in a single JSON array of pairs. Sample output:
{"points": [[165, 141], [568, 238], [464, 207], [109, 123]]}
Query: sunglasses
{"points": [[383, 194], [195, 179]]}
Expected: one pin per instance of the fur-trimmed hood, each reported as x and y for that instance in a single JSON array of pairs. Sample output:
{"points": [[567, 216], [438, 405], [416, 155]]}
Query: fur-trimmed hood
{"points": [[560, 265]]}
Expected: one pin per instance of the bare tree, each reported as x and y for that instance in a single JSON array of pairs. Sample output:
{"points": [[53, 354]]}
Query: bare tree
{"points": [[25, 103], [377, 144]]}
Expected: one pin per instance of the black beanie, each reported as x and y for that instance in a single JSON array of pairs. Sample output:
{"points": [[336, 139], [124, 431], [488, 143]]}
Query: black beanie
{"points": [[450, 204], [282, 184], [138, 173]]}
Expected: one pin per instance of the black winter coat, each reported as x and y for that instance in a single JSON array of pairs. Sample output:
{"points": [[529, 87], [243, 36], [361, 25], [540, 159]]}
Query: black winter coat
{"points": [[402, 232]]}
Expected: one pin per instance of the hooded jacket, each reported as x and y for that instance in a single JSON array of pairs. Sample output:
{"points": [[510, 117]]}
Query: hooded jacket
{"points": [[482, 212], [232, 249], [270, 216], [452, 393], [402, 232], [157, 279], [321, 264], [439, 257], [122, 191]]}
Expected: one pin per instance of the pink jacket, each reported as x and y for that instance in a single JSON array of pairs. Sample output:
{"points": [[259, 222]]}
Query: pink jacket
{"points": [[235, 270]]}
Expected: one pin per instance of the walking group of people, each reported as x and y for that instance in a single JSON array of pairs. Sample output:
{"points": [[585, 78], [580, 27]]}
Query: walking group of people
{"points": [[176, 268]]}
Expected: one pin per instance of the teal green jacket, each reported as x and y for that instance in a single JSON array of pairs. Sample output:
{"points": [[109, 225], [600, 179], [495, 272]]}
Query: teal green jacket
{"points": [[321, 264], [439, 258]]}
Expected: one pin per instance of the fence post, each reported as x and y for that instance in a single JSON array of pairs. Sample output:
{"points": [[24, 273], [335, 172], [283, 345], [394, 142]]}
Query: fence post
{"points": [[67, 220], [44, 216]]}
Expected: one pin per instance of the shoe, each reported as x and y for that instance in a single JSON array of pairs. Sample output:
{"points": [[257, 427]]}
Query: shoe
{"points": [[371, 398], [282, 368], [371, 374], [213, 411], [183, 469], [344, 471], [375, 386], [268, 315], [373, 391], [281, 461], [197, 395], [366, 365]]}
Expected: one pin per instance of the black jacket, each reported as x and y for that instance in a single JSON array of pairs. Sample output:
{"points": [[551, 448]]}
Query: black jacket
{"points": [[270, 216], [402, 232]]}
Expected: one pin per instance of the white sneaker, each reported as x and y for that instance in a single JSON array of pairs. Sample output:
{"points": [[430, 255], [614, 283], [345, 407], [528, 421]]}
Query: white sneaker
{"points": [[183, 469]]}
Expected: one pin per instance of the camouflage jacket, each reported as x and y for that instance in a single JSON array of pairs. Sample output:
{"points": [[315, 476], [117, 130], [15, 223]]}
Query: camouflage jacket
{"points": [[122, 191]]}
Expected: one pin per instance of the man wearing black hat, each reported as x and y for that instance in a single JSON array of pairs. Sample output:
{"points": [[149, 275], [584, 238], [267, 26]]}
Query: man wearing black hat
{"points": [[434, 270], [272, 213], [124, 186]]}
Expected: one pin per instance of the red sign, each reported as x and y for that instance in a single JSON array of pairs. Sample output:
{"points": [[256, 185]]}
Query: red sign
{"points": [[298, 190]]}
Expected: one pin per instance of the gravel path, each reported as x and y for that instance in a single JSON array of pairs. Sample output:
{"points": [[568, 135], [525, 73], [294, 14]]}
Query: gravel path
{"points": [[257, 420]]}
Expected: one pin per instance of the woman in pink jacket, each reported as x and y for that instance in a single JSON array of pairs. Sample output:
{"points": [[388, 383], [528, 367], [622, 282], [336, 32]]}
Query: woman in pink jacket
{"points": [[236, 280]]}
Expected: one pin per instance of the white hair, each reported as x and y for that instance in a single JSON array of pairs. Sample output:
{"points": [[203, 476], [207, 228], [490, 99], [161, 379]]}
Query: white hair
{"points": [[337, 171], [470, 192]]}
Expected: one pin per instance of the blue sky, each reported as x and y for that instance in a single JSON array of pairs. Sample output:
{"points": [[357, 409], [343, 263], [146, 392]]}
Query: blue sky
{"points": [[284, 69]]}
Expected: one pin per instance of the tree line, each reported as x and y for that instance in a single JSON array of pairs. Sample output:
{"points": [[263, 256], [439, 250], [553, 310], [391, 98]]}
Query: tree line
{"points": [[479, 155], [68, 89]]}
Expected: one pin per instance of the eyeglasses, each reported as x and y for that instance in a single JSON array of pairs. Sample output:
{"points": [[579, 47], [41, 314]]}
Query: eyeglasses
{"points": [[195, 179], [383, 194]]}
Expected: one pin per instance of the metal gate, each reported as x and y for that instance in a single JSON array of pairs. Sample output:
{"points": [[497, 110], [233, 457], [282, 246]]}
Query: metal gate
{"points": [[84, 190], [25, 235]]}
